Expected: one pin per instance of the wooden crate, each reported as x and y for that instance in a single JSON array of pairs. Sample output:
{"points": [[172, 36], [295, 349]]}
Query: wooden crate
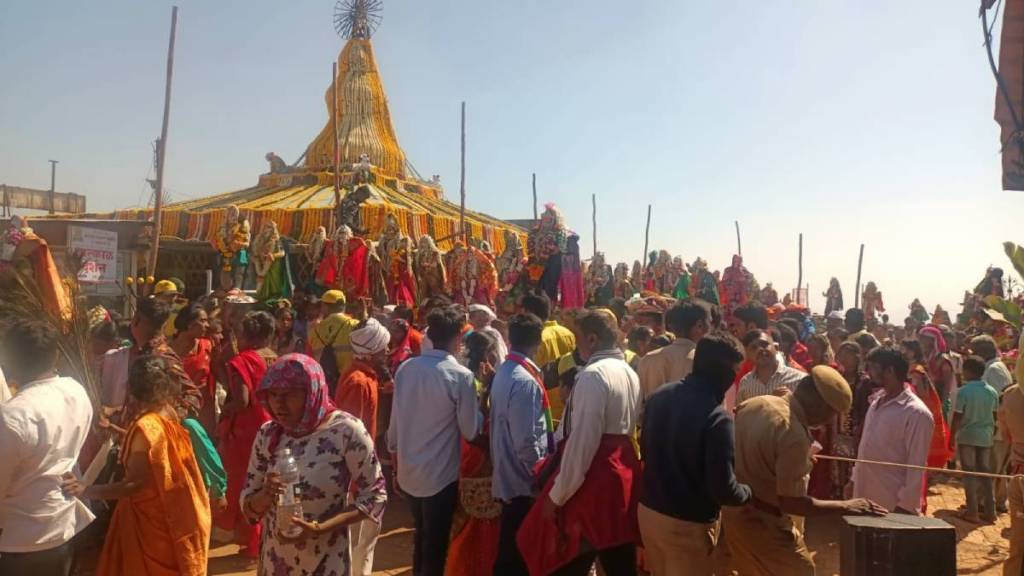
{"points": [[896, 545]]}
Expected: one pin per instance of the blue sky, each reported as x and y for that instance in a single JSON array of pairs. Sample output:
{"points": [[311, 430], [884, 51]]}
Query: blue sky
{"points": [[847, 120]]}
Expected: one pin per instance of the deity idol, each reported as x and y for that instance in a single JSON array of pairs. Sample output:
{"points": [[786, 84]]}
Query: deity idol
{"points": [[315, 248], [918, 312], [662, 265], [344, 264], [272, 278], [570, 285], [401, 283], [941, 318], [600, 283], [735, 285], [871, 301], [681, 290], [510, 265], [623, 283], [430, 270], [769, 297], [992, 284], [232, 241], [833, 297], [546, 243], [636, 276]]}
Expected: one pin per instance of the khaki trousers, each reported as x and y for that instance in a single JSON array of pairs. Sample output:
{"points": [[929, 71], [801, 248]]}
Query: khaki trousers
{"points": [[765, 545], [1015, 490], [676, 547]]}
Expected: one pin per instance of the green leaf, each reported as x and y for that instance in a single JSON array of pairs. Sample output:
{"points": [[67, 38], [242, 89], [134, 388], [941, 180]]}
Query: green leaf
{"points": [[1016, 255], [1008, 309]]}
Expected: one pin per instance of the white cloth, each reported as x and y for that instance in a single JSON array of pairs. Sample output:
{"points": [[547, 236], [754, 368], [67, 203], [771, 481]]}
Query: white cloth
{"points": [[898, 430], [500, 342], [784, 377], [435, 399], [5, 392], [372, 338], [114, 377], [42, 429], [997, 375], [604, 400], [363, 540]]}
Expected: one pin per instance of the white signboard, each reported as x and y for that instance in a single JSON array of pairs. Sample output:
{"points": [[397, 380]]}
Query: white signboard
{"points": [[98, 249]]}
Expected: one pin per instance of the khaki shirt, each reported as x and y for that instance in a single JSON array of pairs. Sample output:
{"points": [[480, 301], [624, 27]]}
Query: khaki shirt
{"points": [[1011, 422], [666, 365], [773, 448]]}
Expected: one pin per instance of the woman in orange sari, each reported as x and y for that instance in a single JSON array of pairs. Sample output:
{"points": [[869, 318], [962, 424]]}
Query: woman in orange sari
{"points": [[921, 385], [240, 421], [161, 525]]}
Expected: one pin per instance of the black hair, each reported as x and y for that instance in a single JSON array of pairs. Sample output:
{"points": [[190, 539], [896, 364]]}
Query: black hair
{"points": [[186, 317], [537, 304], [974, 367], [30, 347], [794, 325], [150, 380], [752, 313], [478, 346], [867, 342], [888, 357], [854, 320], [715, 356], [618, 306], [914, 347], [787, 336], [445, 324], [640, 334], [592, 323], [105, 332], [839, 333], [660, 341], [258, 326], [524, 331], [682, 317], [402, 313], [753, 335], [153, 311]]}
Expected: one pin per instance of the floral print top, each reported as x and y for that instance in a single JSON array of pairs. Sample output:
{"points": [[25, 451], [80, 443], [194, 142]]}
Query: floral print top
{"points": [[337, 455]]}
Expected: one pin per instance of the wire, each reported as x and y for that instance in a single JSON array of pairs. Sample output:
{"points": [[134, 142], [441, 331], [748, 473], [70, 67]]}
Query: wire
{"points": [[924, 468]]}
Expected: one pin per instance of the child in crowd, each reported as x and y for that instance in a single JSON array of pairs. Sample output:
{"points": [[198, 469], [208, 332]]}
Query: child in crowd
{"points": [[974, 421]]}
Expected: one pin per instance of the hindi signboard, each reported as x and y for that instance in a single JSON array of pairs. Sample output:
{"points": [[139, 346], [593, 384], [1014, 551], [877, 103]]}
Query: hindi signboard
{"points": [[98, 249]]}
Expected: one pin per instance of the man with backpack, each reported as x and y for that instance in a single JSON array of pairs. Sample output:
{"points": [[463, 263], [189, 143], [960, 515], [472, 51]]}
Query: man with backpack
{"points": [[329, 339]]}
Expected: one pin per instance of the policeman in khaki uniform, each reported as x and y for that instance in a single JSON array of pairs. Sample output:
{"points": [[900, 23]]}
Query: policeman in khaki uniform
{"points": [[773, 457]]}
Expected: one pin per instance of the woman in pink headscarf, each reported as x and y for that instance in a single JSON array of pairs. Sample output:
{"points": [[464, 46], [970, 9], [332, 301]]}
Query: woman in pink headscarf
{"points": [[940, 365]]}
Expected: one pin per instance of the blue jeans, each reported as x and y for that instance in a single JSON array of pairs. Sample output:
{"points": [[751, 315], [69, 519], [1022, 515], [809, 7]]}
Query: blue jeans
{"points": [[978, 459]]}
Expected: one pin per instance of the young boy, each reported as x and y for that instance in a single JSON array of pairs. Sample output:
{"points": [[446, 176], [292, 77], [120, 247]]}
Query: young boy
{"points": [[974, 421]]}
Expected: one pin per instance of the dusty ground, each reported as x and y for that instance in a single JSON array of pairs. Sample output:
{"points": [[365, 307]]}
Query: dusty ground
{"points": [[980, 549]]}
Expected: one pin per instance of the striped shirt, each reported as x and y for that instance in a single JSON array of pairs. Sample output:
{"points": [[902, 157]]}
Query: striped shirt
{"points": [[784, 377]]}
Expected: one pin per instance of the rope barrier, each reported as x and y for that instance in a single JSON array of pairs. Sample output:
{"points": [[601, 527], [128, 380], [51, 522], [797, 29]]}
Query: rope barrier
{"points": [[924, 468]]}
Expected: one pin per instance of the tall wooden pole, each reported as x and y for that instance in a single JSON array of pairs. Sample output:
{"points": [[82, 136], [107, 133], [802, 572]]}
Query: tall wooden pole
{"points": [[53, 186], [800, 270], [593, 218], [462, 181], [647, 237], [739, 244], [860, 265], [535, 217], [337, 140], [162, 148]]}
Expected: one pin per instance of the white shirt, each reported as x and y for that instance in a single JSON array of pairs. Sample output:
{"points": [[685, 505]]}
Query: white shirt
{"points": [[897, 430], [42, 429], [997, 375], [604, 400], [501, 348], [435, 399], [784, 377]]}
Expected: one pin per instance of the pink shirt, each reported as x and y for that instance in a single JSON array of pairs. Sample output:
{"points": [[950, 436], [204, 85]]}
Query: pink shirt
{"points": [[897, 430]]}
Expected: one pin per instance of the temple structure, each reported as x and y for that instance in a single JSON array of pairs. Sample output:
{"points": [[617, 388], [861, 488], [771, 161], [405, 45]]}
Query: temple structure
{"points": [[302, 197]]}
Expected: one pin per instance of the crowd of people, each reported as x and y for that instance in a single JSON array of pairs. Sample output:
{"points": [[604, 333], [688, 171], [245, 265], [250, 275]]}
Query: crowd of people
{"points": [[675, 437]]}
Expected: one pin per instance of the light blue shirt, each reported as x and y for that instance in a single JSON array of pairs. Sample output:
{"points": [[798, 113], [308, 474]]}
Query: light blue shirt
{"points": [[435, 399], [977, 402], [518, 435]]}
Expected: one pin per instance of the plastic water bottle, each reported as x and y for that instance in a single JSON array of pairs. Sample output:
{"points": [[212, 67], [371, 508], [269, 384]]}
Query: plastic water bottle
{"points": [[289, 504]]}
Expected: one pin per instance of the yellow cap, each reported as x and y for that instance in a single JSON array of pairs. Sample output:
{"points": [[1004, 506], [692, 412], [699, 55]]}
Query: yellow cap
{"points": [[333, 297], [165, 287], [833, 388]]}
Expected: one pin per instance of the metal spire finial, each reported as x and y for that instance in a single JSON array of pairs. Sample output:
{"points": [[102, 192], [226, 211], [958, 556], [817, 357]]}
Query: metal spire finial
{"points": [[357, 18]]}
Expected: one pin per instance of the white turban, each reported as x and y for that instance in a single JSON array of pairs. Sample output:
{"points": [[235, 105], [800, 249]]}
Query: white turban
{"points": [[491, 316], [372, 338]]}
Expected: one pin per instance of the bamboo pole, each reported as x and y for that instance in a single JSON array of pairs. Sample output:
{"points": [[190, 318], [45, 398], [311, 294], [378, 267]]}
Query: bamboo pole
{"points": [[800, 270], [462, 181], [647, 237], [860, 265], [162, 149], [593, 219], [535, 216], [739, 243]]}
